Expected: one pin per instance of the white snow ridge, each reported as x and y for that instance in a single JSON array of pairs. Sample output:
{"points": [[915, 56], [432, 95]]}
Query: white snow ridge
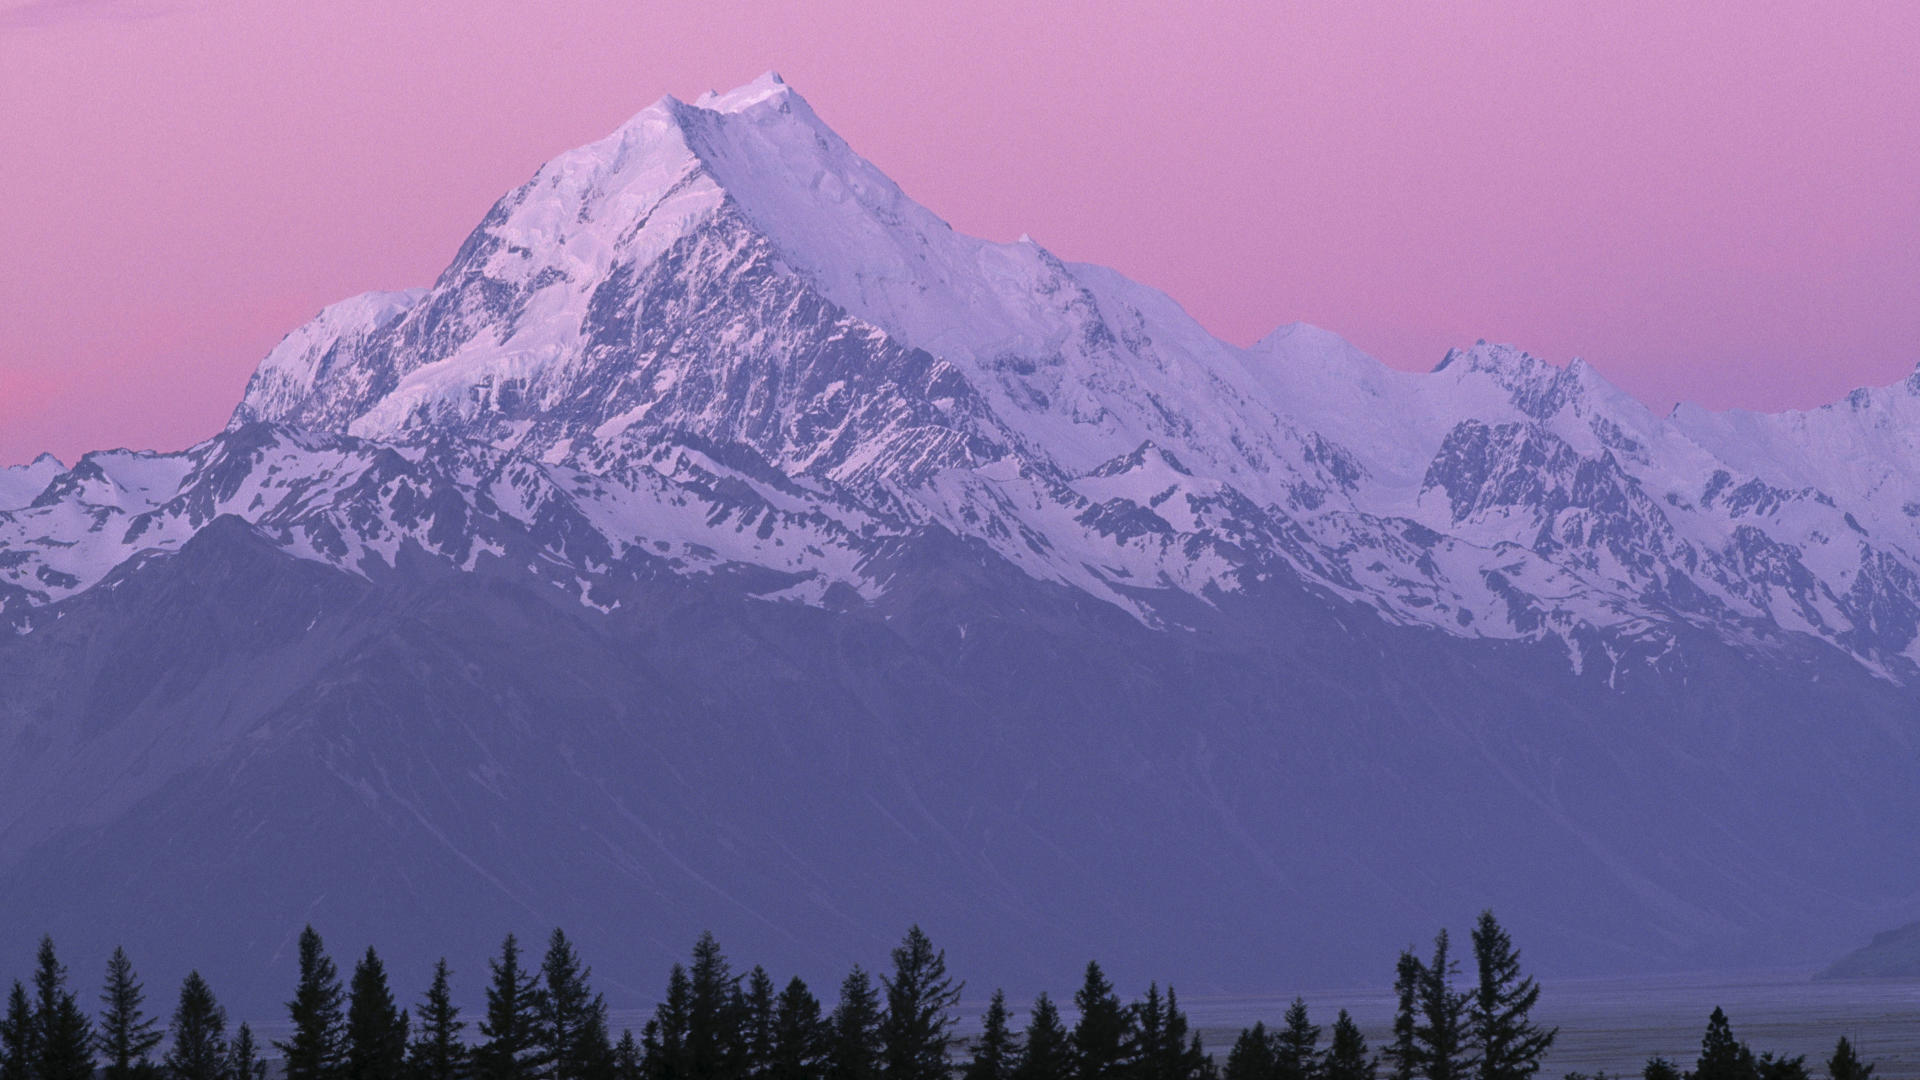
{"points": [[720, 336]]}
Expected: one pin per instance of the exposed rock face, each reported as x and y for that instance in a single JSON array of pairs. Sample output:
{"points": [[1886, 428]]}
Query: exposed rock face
{"points": [[723, 541]]}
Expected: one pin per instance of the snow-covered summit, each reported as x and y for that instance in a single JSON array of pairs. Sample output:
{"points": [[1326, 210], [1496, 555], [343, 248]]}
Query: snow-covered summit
{"points": [[723, 293], [21, 484]]}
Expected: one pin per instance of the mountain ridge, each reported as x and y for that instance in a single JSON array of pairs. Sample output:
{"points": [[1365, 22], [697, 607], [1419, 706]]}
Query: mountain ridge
{"points": [[786, 461]]}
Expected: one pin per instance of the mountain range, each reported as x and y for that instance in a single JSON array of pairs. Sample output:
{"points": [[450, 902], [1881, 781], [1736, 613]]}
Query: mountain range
{"points": [[723, 541]]}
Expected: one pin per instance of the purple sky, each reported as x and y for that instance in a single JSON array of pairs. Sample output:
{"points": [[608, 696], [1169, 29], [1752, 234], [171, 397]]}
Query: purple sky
{"points": [[1720, 204]]}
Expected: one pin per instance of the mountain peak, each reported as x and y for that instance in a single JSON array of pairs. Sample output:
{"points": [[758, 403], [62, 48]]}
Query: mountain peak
{"points": [[768, 87]]}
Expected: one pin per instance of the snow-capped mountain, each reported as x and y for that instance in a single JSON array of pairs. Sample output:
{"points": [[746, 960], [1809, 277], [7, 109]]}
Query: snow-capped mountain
{"points": [[718, 351], [729, 277]]}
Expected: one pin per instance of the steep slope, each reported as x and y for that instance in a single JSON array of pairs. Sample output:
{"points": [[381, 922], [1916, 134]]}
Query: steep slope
{"points": [[426, 763], [1075, 631], [733, 270], [1892, 954]]}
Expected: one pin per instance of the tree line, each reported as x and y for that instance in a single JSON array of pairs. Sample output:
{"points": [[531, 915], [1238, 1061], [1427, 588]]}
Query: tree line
{"points": [[543, 1021], [1722, 1057]]}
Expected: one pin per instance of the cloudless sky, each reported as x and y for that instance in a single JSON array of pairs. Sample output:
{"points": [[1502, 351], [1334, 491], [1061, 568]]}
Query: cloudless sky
{"points": [[1712, 201]]}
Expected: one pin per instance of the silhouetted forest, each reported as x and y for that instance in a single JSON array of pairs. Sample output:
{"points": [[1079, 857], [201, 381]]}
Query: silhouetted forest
{"points": [[544, 1021]]}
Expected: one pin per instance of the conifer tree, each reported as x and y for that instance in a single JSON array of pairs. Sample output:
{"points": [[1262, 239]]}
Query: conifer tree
{"points": [[573, 1019], [509, 1047], [317, 1049], [1781, 1067], [1150, 1035], [1296, 1046], [626, 1058], [1402, 1056], [1659, 1068], [1251, 1057], [197, 1039], [376, 1025], [1440, 1034], [127, 1035], [1508, 1043], [799, 1035], [1165, 1048], [62, 1035], [17, 1047], [757, 1010], [1103, 1037], [663, 1042], [1347, 1052], [996, 1053], [1048, 1050], [713, 1015], [437, 1052], [1721, 1056], [1845, 1064], [1193, 1062], [853, 1041], [918, 1027], [595, 1037], [243, 1057]]}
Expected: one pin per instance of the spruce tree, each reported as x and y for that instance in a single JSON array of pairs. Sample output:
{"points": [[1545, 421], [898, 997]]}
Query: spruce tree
{"points": [[996, 1053], [757, 1009], [1721, 1056], [1659, 1068], [853, 1040], [1165, 1047], [664, 1040], [243, 1057], [1103, 1037], [1346, 1057], [1402, 1056], [317, 1049], [573, 1019], [62, 1035], [376, 1025], [197, 1039], [1845, 1064], [509, 1046], [627, 1064], [16, 1036], [1296, 1046], [437, 1052], [127, 1035], [799, 1035], [1048, 1051], [1440, 1033], [1193, 1062], [918, 1026], [713, 1015], [1508, 1043], [1150, 1035], [1251, 1057]]}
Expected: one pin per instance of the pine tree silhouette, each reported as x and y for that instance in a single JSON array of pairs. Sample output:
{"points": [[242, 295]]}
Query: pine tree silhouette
{"points": [[127, 1035]]}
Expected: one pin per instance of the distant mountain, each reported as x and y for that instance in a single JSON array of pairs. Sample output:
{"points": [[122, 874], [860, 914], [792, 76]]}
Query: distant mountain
{"points": [[724, 541], [1892, 954]]}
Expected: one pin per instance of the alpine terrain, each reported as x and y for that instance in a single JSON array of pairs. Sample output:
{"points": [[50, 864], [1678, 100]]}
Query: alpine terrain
{"points": [[725, 542]]}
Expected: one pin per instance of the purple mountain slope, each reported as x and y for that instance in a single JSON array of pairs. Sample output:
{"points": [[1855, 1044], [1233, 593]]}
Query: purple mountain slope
{"points": [[725, 542]]}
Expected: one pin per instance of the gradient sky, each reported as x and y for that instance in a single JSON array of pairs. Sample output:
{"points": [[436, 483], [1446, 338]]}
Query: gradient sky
{"points": [[1715, 202]]}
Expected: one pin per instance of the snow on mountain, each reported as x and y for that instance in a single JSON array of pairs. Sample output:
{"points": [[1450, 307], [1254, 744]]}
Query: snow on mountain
{"points": [[794, 566], [21, 484], [728, 280]]}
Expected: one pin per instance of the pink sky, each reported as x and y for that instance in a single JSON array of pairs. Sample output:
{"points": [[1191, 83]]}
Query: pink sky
{"points": [[1720, 203]]}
